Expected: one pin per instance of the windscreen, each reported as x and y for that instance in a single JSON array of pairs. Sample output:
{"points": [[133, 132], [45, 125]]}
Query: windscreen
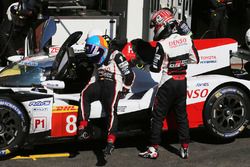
{"points": [[25, 73]]}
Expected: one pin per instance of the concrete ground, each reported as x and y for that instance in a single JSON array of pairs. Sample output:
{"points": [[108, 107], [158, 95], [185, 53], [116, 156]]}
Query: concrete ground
{"points": [[205, 151]]}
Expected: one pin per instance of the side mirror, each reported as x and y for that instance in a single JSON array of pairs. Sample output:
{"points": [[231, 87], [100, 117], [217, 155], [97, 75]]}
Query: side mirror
{"points": [[54, 84], [15, 58]]}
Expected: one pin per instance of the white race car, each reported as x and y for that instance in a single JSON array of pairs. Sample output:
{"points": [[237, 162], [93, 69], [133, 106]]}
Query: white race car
{"points": [[39, 96]]}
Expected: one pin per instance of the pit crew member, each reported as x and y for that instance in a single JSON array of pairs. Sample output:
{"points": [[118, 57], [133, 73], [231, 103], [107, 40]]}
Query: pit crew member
{"points": [[173, 53], [218, 18]]}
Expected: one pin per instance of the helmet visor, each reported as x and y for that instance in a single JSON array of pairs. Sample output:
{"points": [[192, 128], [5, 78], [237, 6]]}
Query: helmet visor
{"points": [[91, 50], [94, 53], [152, 24]]}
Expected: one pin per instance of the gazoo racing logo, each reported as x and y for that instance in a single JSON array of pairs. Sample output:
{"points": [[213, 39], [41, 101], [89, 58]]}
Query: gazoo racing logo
{"points": [[39, 103], [197, 93]]}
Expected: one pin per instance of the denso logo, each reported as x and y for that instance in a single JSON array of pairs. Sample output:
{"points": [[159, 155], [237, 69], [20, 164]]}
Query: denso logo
{"points": [[178, 42], [197, 93], [39, 103]]}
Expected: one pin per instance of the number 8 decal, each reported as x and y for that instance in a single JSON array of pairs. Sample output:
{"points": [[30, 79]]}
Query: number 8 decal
{"points": [[71, 124]]}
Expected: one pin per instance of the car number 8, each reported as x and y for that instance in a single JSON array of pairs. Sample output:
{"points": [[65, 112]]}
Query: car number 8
{"points": [[71, 124]]}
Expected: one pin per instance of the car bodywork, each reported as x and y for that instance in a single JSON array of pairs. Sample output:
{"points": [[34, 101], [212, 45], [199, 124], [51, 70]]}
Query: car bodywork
{"points": [[46, 109]]}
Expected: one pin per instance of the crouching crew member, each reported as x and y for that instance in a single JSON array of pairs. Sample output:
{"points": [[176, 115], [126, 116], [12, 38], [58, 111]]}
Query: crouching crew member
{"points": [[111, 79]]}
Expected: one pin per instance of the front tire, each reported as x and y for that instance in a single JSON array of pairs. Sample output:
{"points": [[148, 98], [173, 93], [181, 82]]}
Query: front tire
{"points": [[14, 126], [226, 112]]}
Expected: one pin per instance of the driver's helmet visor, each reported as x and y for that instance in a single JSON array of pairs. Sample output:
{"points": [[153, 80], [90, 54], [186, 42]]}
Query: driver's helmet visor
{"points": [[92, 50]]}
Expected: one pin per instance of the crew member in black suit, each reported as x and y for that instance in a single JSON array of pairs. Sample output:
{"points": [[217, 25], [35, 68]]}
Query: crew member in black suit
{"points": [[218, 18]]}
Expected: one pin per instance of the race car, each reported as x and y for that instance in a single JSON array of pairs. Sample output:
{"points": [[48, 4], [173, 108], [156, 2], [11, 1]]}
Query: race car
{"points": [[39, 96]]}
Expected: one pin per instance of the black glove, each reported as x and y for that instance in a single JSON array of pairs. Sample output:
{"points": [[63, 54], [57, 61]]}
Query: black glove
{"points": [[123, 93], [144, 51]]}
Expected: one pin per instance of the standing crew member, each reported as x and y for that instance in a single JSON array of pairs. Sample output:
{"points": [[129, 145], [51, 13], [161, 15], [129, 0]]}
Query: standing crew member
{"points": [[112, 78], [173, 53], [218, 18]]}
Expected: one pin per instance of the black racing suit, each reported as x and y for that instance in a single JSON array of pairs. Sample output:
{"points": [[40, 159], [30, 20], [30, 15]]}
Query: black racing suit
{"points": [[35, 6], [106, 84], [172, 56], [218, 18]]}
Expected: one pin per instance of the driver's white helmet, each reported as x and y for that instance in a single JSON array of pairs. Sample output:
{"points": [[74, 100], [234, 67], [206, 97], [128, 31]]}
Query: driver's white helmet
{"points": [[247, 38]]}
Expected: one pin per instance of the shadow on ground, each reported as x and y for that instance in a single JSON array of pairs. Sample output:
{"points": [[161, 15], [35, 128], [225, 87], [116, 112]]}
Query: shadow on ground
{"points": [[169, 139]]}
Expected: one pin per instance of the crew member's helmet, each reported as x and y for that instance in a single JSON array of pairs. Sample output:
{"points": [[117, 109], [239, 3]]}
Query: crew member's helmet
{"points": [[96, 49], [162, 21], [16, 15], [247, 38]]}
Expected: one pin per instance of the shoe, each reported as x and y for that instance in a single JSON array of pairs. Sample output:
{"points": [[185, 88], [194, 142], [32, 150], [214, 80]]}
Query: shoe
{"points": [[151, 153], [184, 153], [108, 149]]}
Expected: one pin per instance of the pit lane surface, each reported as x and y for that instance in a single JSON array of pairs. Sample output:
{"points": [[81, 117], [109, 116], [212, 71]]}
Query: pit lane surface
{"points": [[205, 151]]}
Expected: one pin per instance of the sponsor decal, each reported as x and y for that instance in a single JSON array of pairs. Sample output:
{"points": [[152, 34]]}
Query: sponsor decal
{"points": [[228, 90], [231, 134], [54, 50], [52, 84], [181, 63], [129, 49], [121, 108], [202, 84], [123, 64], [218, 94], [28, 63], [156, 60], [197, 93], [39, 109], [208, 59], [124, 67], [39, 103], [61, 109], [128, 52], [176, 43], [235, 91]]}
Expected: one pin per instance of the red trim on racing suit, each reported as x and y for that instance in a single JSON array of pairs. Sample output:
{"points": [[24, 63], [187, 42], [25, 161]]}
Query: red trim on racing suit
{"points": [[172, 57], [105, 84]]}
